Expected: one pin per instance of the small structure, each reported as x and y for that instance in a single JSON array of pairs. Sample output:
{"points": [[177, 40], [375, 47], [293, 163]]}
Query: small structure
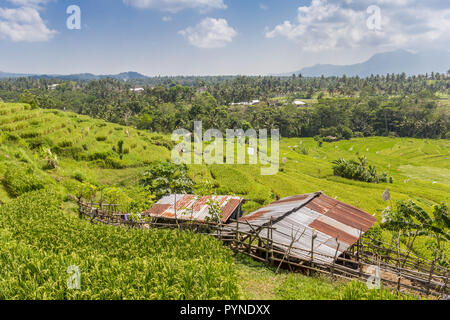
{"points": [[311, 226], [195, 208], [53, 86], [251, 103], [299, 103], [137, 90]]}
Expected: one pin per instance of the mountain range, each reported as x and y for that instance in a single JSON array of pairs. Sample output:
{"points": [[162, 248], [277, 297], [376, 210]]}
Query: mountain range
{"points": [[124, 76], [383, 63]]}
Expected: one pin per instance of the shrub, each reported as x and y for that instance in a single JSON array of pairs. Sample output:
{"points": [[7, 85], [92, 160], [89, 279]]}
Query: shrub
{"points": [[162, 178], [75, 153], [65, 144], [359, 170], [79, 176], [20, 179], [40, 142], [338, 133]]}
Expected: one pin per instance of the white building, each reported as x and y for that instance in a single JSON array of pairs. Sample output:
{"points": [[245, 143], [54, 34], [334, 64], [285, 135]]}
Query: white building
{"points": [[299, 103]]}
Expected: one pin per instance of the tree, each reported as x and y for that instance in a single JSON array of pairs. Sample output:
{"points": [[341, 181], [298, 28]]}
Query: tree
{"points": [[164, 178], [412, 221]]}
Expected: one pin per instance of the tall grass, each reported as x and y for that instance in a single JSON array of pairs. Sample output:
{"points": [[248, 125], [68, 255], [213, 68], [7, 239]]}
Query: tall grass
{"points": [[39, 242]]}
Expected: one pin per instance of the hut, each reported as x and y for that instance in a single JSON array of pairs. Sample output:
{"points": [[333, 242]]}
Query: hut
{"points": [[311, 226], [196, 208]]}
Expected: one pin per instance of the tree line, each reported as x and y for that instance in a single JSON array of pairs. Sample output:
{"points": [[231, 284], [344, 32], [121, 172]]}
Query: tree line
{"points": [[345, 107]]}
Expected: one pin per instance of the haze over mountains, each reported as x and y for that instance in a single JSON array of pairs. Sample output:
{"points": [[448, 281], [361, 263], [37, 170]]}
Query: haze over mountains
{"points": [[383, 63], [75, 77]]}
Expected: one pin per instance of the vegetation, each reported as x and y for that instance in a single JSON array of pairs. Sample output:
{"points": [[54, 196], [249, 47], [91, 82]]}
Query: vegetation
{"points": [[164, 178], [342, 107], [359, 170], [410, 220], [39, 242], [41, 235]]}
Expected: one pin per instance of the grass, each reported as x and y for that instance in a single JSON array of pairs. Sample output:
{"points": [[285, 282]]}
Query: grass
{"points": [[39, 242], [420, 169], [257, 282]]}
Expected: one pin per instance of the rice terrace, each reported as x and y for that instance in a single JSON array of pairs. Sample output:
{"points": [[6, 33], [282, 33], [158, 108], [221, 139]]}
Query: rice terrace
{"points": [[214, 176]]}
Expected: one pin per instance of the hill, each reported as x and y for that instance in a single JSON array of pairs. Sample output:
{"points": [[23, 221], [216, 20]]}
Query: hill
{"points": [[41, 236], [124, 76], [395, 62]]}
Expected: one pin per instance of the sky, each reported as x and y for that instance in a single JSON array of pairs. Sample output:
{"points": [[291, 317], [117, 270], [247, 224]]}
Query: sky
{"points": [[211, 37]]}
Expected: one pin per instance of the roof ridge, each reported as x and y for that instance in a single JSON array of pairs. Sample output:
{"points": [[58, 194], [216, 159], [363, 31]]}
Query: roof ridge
{"points": [[308, 200]]}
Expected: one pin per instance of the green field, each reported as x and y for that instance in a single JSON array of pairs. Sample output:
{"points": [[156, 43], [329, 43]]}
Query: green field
{"points": [[41, 235]]}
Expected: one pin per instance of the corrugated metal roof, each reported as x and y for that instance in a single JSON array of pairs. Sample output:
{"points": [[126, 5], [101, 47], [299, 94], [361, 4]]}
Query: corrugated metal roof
{"points": [[190, 207], [317, 214]]}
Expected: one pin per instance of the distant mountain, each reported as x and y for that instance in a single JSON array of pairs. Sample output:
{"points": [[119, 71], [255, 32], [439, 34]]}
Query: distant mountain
{"points": [[5, 75], [384, 63], [125, 76]]}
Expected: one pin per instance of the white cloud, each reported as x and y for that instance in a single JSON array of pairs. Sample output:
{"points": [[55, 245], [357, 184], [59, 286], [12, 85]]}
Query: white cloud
{"points": [[210, 33], [167, 19], [343, 24], [24, 24], [263, 6], [177, 5], [29, 3]]}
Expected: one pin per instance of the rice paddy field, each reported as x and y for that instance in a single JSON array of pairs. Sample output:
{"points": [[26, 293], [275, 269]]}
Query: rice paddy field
{"points": [[41, 235]]}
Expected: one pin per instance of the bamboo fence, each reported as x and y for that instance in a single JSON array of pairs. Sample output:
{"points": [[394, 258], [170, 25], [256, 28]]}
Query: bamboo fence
{"points": [[369, 260]]}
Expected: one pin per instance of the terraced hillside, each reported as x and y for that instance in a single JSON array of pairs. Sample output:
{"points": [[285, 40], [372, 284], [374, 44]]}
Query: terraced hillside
{"points": [[41, 235]]}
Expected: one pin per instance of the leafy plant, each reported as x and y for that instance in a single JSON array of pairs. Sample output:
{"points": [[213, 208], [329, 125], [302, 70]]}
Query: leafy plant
{"points": [[359, 170], [409, 219], [163, 178]]}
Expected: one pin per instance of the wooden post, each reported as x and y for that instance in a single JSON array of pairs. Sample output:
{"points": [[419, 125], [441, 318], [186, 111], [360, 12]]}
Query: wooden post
{"points": [[267, 246], [271, 241], [314, 236], [236, 236], [335, 257], [431, 273], [358, 248]]}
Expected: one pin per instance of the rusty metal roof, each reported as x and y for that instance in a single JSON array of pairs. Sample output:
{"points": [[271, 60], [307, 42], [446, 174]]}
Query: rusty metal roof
{"points": [[190, 207], [333, 222]]}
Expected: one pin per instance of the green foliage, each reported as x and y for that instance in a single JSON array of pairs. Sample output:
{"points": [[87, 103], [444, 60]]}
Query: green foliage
{"points": [[22, 178], [51, 159], [215, 213], [338, 133], [163, 178], [38, 242], [357, 290], [412, 220], [359, 170]]}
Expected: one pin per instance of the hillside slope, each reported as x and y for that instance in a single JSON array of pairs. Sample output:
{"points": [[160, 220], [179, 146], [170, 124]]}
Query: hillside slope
{"points": [[41, 235]]}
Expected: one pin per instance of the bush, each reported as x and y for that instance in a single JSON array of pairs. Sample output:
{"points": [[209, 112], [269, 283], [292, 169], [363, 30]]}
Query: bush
{"points": [[65, 144], [336, 133], [20, 179], [359, 170], [163, 178], [79, 176], [101, 138], [75, 153], [37, 143], [110, 163]]}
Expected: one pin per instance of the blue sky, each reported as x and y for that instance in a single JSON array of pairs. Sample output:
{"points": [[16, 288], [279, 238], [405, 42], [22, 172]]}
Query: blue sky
{"points": [[210, 37]]}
